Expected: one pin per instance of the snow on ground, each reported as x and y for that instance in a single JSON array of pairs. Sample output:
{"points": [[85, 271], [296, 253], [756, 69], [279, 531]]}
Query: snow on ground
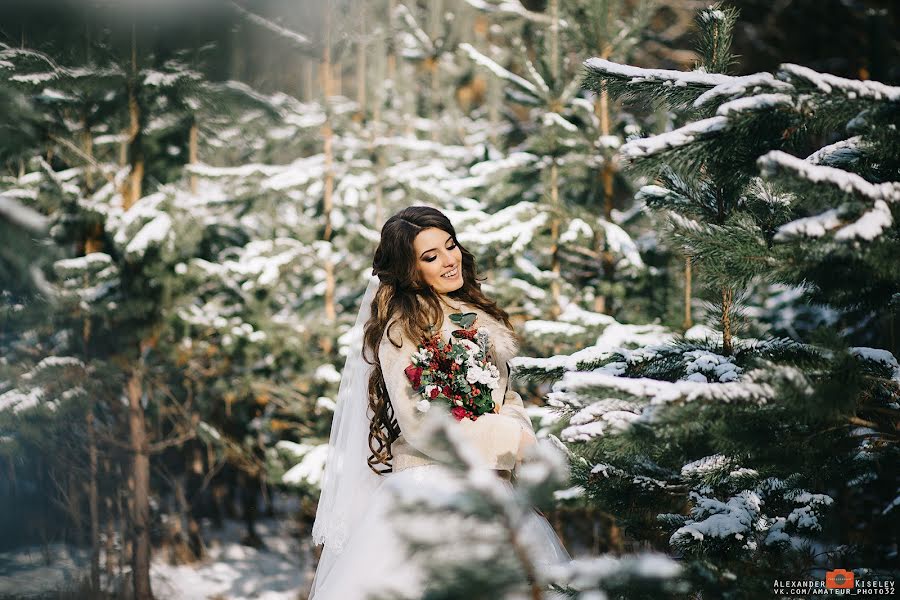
{"points": [[25, 572], [282, 570], [237, 572]]}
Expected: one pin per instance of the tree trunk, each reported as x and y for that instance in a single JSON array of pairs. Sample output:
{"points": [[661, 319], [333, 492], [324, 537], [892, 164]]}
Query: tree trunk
{"points": [[192, 151], [435, 16], [328, 194], [555, 308], [87, 146], [607, 178], [93, 499], [392, 40], [554, 40], [109, 546], [140, 516], [727, 303], [688, 321], [361, 62], [135, 151], [248, 489]]}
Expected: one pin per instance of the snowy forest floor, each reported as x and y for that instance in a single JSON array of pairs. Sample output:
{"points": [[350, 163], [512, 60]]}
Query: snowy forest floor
{"points": [[280, 570]]}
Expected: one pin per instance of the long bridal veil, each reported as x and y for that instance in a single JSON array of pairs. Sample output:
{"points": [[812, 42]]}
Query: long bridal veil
{"points": [[348, 481]]}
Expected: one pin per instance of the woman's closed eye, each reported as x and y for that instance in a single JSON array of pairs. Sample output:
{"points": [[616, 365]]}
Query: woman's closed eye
{"points": [[431, 258]]}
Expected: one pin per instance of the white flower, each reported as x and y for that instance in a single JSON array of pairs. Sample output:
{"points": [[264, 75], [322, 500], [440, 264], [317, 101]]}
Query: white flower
{"points": [[488, 375], [470, 346], [423, 405]]}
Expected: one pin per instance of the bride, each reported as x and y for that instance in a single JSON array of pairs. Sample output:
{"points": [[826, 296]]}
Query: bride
{"points": [[379, 449]]}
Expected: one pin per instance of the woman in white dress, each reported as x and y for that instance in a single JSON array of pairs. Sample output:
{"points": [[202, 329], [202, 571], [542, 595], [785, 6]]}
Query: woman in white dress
{"points": [[379, 449]]}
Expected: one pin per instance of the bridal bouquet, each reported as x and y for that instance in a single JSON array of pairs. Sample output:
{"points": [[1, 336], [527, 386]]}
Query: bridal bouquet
{"points": [[456, 373]]}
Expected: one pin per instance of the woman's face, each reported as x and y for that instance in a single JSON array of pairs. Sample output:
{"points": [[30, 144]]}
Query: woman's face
{"points": [[436, 255]]}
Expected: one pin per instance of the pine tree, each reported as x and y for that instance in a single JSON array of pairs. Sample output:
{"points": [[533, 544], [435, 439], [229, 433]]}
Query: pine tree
{"points": [[116, 289], [742, 455], [470, 539]]}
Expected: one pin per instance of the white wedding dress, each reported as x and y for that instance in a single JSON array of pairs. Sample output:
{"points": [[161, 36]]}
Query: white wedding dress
{"points": [[364, 520], [374, 560]]}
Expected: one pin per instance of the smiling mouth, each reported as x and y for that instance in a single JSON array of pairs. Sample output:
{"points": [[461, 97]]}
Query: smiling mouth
{"points": [[451, 274]]}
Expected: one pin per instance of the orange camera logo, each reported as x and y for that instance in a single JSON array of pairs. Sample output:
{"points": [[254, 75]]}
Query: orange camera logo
{"points": [[839, 579]]}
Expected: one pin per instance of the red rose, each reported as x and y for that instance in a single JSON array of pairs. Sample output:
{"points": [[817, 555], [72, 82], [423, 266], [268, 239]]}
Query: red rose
{"points": [[413, 373], [434, 392], [446, 391], [459, 412]]}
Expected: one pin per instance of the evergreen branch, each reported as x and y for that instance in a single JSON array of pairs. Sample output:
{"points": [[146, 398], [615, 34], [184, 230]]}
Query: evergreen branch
{"points": [[806, 79], [760, 102], [531, 68], [716, 24], [843, 153], [424, 41], [513, 8], [832, 101], [293, 36], [677, 89], [22, 216], [777, 163], [757, 83], [480, 59], [673, 140], [729, 253]]}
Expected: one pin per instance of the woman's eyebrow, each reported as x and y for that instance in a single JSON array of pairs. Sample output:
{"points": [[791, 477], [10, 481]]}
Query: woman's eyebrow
{"points": [[430, 249]]}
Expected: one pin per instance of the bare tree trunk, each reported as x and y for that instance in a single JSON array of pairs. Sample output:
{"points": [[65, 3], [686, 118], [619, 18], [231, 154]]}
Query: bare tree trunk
{"points": [[688, 321], [93, 500], [87, 146], [109, 546], [328, 197], [135, 152], [555, 309], [193, 136], [436, 12], [361, 53], [607, 178], [123, 506], [555, 292], [727, 303], [140, 517], [392, 54], [309, 79], [337, 78], [554, 39]]}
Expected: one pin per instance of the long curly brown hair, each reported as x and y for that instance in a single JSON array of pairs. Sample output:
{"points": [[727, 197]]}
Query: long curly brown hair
{"points": [[396, 302]]}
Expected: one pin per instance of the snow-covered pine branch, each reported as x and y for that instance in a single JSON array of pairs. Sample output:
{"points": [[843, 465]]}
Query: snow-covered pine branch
{"points": [[757, 83], [777, 163], [678, 138], [825, 83], [522, 84], [292, 36], [675, 88], [514, 9], [424, 42]]}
